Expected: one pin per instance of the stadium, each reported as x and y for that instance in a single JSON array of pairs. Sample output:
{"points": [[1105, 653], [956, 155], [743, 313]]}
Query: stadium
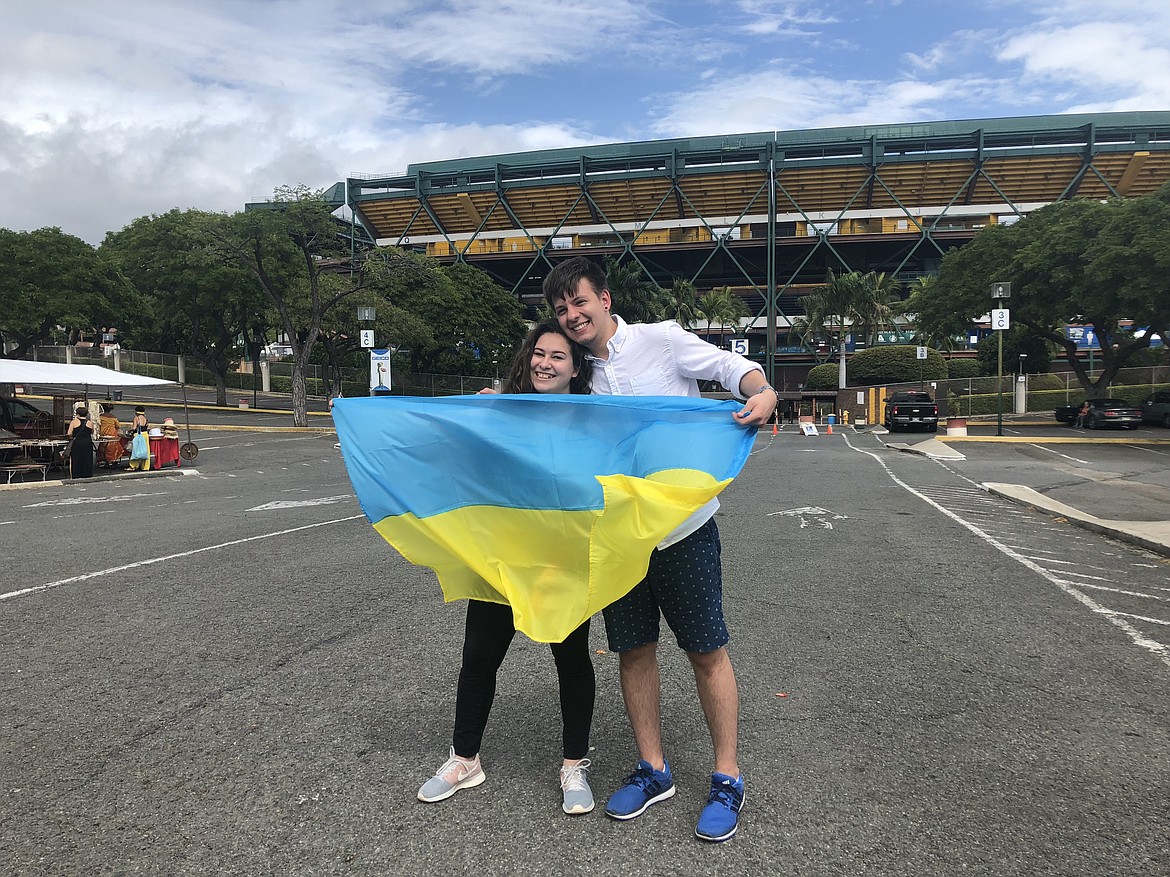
{"points": [[767, 214]]}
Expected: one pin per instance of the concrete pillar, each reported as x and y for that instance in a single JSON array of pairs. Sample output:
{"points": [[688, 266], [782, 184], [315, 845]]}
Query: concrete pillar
{"points": [[1021, 406], [265, 377], [117, 359], [182, 370], [69, 354]]}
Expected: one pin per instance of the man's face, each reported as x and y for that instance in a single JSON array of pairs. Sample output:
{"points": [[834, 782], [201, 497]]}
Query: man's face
{"points": [[584, 315]]}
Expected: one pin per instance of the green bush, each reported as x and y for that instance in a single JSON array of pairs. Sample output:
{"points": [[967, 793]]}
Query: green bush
{"points": [[823, 377], [963, 368], [1045, 382], [1042, 402], [895, 364]]}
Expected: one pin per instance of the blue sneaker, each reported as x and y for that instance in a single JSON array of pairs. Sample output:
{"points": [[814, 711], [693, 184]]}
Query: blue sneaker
{"points": [[643, 787], [720, 818]]}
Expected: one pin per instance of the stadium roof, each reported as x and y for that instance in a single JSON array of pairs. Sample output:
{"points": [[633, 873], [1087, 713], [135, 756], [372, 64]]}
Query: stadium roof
{"points": [[1021, 162]]}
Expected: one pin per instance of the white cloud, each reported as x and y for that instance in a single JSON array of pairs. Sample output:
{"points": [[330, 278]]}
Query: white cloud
{"points": [[126, 107], [785, 101], [516, 36], [1117, 58]]}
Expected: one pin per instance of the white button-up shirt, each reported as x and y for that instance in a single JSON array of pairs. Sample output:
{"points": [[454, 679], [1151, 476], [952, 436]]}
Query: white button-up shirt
{"points": [[664, 359]]}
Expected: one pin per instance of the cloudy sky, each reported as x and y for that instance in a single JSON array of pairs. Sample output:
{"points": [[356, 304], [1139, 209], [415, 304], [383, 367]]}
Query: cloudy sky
{"points": [[114, 109]]}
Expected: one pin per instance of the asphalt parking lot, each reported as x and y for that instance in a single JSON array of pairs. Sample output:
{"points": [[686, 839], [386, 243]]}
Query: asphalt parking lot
{"points": [[224, 670]]}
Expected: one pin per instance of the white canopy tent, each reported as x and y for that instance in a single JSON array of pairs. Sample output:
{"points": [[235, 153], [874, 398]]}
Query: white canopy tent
{"points": [[60, 374], [21, 371]]}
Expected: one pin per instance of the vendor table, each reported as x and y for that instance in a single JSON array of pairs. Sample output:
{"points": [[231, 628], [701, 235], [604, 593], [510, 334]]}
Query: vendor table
{"points": [[111, 449], [48, 450], [164, 450]]}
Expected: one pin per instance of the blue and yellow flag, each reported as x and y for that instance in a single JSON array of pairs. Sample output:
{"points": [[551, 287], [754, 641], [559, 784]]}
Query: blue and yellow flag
{"points": [[550, 504]]}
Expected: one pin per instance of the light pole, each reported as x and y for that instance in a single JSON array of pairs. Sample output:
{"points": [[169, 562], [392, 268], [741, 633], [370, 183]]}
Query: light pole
{"points": [[1000, 322], [1022, 387]]}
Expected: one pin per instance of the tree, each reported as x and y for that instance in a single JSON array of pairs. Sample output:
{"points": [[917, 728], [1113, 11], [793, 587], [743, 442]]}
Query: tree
{"points": [[292, 249], [55, 287], [472, 320], [722, 307], [832, 308], [880, 301], [683, 303], [393, 327], [635, 295], [1016, 340], [1072, 262], [1132, 255], [202, 305]]}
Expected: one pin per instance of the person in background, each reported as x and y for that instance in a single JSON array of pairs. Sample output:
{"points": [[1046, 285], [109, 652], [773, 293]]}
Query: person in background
{"points": [[684, 582], [112, 450], [81, 430], [1083, 416], [546, 362], [141, 425]]}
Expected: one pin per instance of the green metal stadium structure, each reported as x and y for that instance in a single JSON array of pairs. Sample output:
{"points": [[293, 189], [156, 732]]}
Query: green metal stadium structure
{"points": [[767, 214]]}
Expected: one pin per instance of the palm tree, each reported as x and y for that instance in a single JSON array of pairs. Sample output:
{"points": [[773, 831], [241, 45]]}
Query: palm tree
{"points": [[721, 306], [924, 286], [683, 302], [833, 307], [881, 303], [635, 294]]}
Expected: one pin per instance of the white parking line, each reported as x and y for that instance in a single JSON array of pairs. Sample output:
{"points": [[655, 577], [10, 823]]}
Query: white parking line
{"points": [[1059, 454], [90, 575], [1150, 450], [1160, 650], [1122, 591]]}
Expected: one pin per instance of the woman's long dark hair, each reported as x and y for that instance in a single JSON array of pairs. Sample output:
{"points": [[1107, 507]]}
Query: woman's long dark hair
{"points": [[519, 377]]}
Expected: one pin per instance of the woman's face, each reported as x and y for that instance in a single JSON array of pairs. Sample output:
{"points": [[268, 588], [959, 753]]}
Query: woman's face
{"points": [[551, 367]]}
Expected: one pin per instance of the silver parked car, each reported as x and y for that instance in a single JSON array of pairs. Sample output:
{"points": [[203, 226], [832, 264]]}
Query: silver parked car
{"points": [[1156, 409]]}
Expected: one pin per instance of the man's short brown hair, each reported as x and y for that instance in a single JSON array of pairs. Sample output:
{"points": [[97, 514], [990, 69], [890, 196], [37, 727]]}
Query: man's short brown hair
{"points": [[562, 280]]}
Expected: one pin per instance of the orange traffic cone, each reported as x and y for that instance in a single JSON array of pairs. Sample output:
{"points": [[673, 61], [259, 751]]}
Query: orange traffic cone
{"points": [[829, 429], [774, 430]]}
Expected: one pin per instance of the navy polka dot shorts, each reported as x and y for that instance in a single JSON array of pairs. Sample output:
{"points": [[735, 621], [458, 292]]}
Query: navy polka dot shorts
{"points": [[685, 584]]}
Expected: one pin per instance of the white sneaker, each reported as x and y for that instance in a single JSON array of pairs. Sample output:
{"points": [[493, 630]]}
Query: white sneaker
{"points": [[455, 774], [578, 795]]}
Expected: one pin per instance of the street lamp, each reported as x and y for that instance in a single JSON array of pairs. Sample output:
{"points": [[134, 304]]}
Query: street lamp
{"points": [[1000, 322], [1021, 387]]}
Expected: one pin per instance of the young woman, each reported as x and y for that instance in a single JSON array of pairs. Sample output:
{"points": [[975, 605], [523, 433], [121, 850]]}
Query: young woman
{"points": [[111, 450], [140, 425], [81, 430], [547, 362]]}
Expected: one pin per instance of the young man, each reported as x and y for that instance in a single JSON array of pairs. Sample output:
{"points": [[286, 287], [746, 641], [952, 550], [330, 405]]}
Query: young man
{"points": [[684, 581]]}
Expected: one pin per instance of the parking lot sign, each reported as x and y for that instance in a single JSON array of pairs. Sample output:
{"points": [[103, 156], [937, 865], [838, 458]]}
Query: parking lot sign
{"points": [[740, 346]]}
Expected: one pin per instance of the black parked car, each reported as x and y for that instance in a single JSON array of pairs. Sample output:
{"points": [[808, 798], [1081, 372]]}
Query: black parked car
{"points": [[1102, 413], [910, 409], [1156, 409], [25, 420]]}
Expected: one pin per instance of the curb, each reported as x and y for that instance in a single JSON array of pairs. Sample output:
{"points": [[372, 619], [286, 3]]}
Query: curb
{"points": [[124, 475], [1151, 535]]}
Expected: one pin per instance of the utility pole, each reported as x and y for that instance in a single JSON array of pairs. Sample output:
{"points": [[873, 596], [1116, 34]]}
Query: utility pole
{"points": [[1000, 322]]}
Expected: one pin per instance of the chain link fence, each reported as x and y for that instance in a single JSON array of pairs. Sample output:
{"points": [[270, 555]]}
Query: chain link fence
{"points": [[318, 379], [970, 397]]}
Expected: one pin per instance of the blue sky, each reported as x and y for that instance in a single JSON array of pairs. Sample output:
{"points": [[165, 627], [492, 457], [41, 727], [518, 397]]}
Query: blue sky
{"points": [[113, 109]]}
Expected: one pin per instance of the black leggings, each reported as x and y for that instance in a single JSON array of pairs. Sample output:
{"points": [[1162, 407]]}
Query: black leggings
{"points": [[489, 634]]}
